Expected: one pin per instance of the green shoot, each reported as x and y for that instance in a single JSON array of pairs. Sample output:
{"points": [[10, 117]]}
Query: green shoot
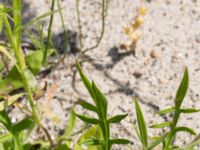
{"points": [[100, 108]]}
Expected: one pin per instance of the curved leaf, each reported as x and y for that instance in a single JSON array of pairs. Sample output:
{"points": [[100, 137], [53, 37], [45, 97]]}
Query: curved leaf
{"points": [[142, 125], [184, 129], [87, 105], [88, 119], [161, 125], [182, 90]]}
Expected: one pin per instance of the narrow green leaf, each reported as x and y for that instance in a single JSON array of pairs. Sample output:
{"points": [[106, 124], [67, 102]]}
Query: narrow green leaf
{"points": [[184, 129], [157, 141], [141, 124], [100, 100], [90, 142], [87, 105], [182, 90], [85, 80], [20, 28], [165, 111], [117, 118], [189, 110], [189, 146], [119, 141], [88, 119], [71, 124], [161, 125], [5, 120], [23, 124]]}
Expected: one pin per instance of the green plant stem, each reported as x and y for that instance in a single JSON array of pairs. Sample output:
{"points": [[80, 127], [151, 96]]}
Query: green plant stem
{"points": [[105, 127], [170, 137], [103, 15], [64, 29], [17, 20], [22, 67], [49, 36], [79, 22], [17, 51]]}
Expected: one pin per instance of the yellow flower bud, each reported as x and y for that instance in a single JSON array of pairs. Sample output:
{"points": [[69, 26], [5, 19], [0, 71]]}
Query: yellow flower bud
{"points": [[138, 22], [135, 35], [127, 30], [143, 11]]}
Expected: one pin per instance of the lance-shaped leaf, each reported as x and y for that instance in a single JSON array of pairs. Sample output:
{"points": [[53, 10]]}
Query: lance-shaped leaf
{"points": [[23, 124], [182, 90], [100, 100], [157, 141], [141, 124], [87, 105], [71, 124], [184, 129], [161, 125], [117, 118], [35, 20], [85, 81], [166, 111], [5, 120], [189, 110], [119, 141], [88, 119]]}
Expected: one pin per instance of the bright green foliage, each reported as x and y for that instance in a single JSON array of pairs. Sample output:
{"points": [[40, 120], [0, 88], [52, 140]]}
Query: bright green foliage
{"points": [[100, 108], [15, 137], [167, 138], [142, 126], [88, 139]]}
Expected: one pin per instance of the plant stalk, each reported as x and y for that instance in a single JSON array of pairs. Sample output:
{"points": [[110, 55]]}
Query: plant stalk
{"points": [[103, 15], [21, 66], [49, 36], [173, 126], [17, 20]]}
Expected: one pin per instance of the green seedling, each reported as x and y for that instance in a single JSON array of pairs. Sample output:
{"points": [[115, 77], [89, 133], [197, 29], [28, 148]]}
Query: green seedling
{"points": [[100, 108], [14, 138], [167, 139], [20, 75]]}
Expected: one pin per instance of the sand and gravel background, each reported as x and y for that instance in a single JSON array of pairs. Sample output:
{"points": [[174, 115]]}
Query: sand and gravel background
{"points": [[170, 32]]}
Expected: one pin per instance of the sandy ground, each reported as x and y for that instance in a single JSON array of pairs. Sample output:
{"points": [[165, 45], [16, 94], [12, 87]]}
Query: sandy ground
{"points": [[170, 31]]}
